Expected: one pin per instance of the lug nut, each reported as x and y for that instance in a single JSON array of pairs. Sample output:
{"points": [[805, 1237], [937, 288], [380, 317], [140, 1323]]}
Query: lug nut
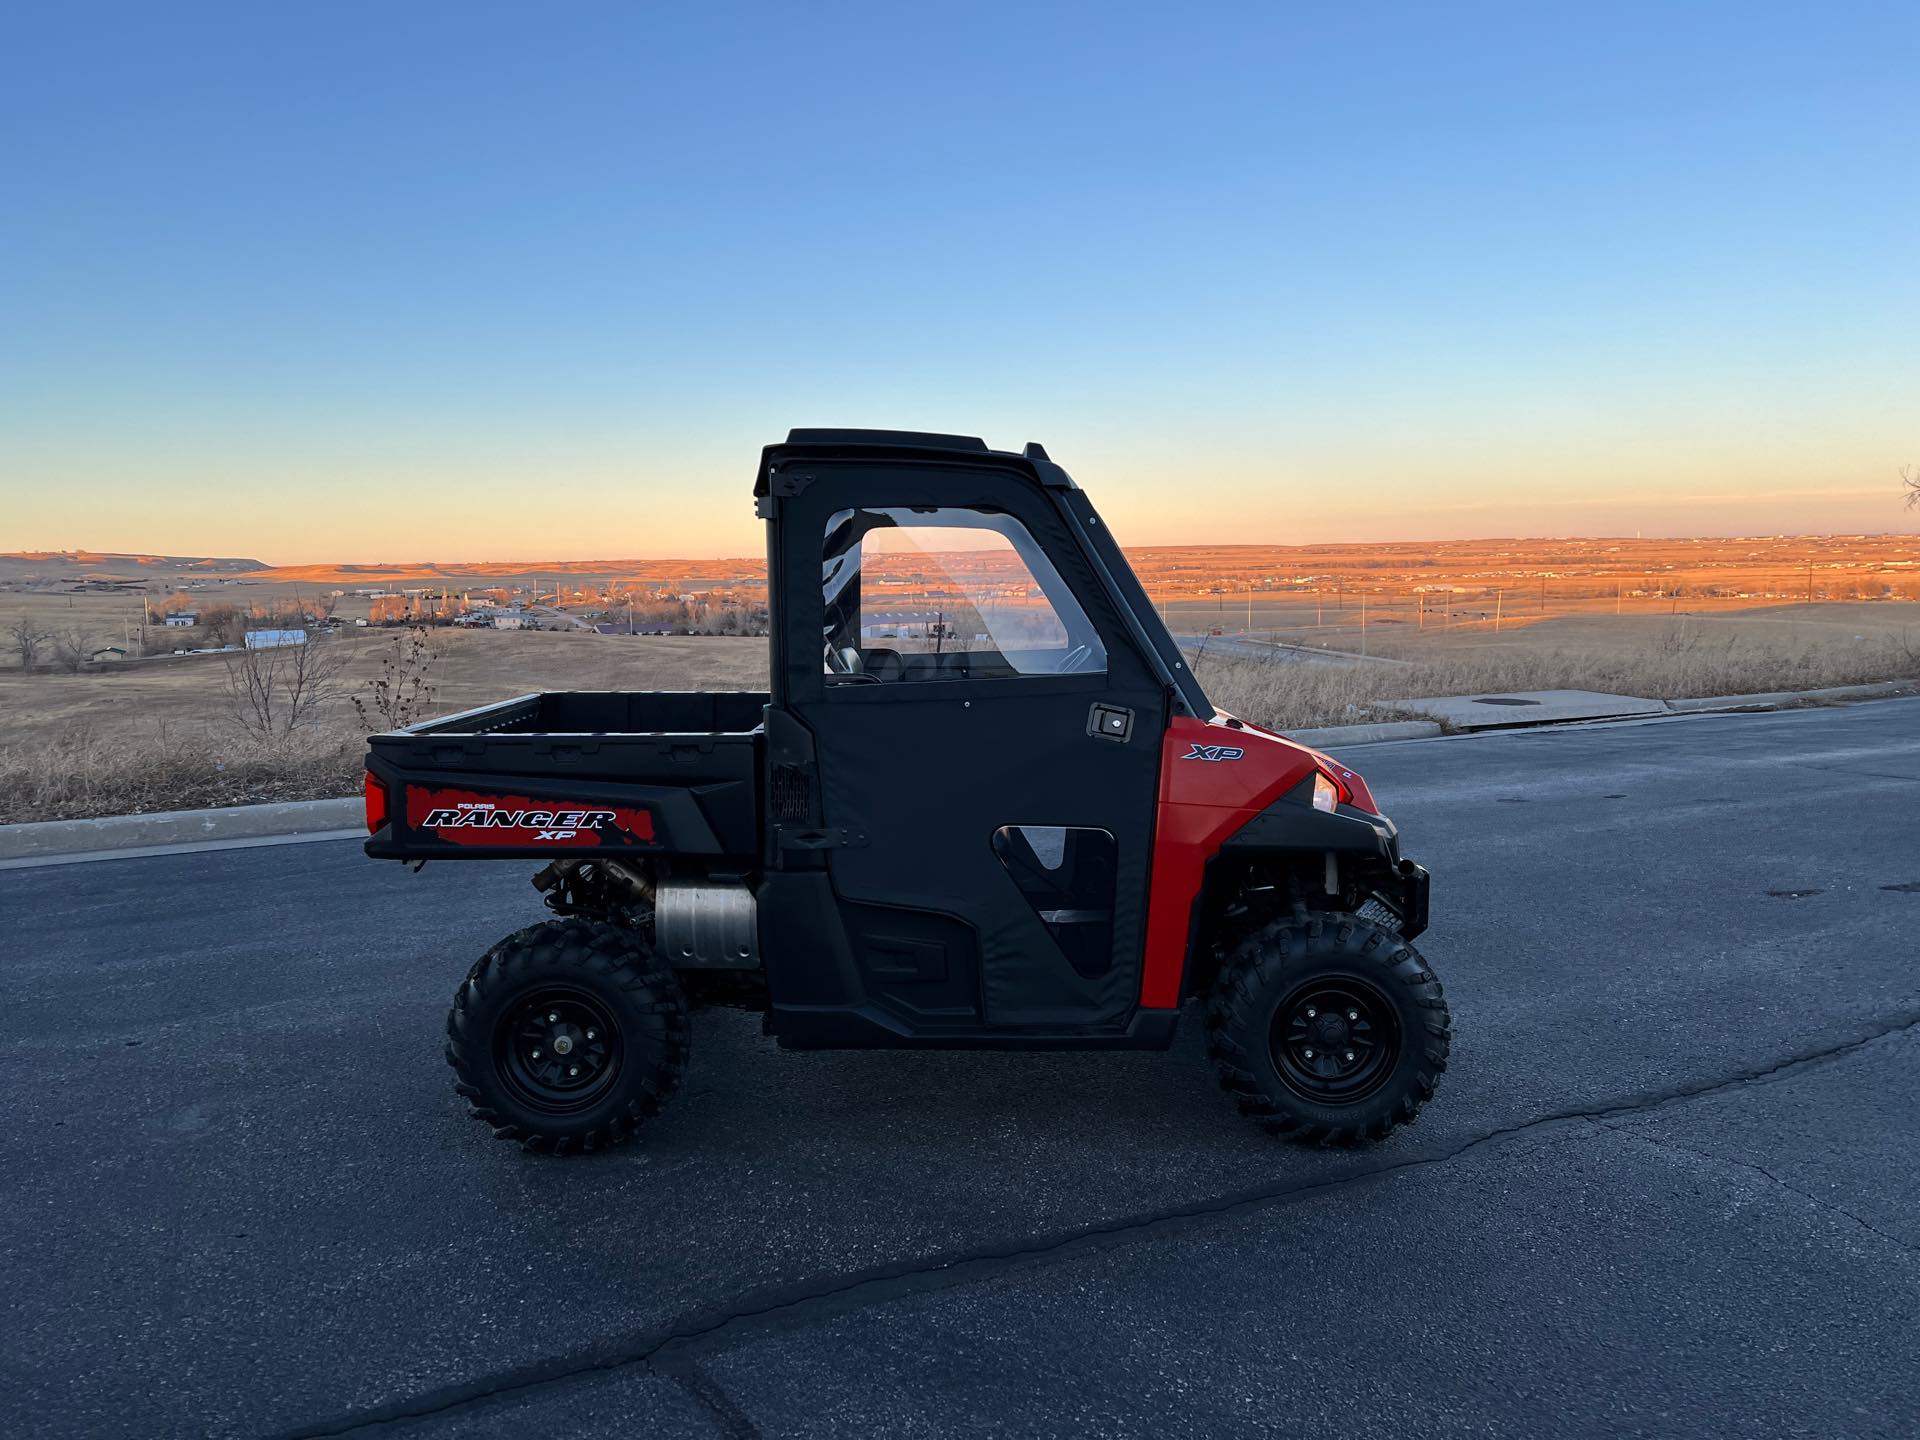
{"points": [[593, 1034], [1353, 1014], [1349, 1055], [1311, 1012], [575, 1069], [536, 1054], [552, 1015], [1307, 1053]]}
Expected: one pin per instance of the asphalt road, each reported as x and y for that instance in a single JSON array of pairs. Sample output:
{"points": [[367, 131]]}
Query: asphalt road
{"points": [[1668, 1188]]}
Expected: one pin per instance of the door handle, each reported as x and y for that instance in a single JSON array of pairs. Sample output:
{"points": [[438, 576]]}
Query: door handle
{"points": [[1110, 722]]}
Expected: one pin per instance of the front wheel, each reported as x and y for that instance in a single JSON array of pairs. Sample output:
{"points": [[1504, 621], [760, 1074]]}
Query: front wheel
{"points": [[567, 1035], [1330, 1029]]}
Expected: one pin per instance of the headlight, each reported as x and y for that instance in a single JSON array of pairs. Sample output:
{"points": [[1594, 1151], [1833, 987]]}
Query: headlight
{"points": [[1326, 795]]}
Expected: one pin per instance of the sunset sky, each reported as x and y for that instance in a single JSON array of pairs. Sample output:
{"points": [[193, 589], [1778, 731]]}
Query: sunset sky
{"points": [[357, 281]]}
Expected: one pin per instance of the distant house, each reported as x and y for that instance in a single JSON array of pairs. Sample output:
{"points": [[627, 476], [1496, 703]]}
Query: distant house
{"points": [[274, 639], [507, 620], [183, 619]]}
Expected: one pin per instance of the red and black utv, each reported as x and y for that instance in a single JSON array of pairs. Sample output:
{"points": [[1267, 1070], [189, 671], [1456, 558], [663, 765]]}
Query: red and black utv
{"points": [[985, 804]]}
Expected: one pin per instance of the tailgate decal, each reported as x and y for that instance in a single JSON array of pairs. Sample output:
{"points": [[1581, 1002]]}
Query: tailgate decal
{"points": [[469, 817]]}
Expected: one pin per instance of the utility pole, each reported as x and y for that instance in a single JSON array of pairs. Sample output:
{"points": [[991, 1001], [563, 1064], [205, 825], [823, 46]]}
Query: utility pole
{"points": [[1363, 622], [1619, 594], [1809, 582], [1422, 595], [1497, 596], [1249, 609], [1319, 611]]}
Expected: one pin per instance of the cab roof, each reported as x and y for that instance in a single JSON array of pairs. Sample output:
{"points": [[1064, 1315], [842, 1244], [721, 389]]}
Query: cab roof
{"points": [[923, 446]]}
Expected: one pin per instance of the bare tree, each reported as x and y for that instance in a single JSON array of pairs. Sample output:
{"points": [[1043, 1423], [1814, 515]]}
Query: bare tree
{"points": [[28, 640], [1910, 478], [274, 691], [224, 624], [402, 691], [71, 649]]}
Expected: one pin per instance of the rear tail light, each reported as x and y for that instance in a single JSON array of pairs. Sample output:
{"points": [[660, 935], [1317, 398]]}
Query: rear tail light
{"points": [[376, 804]]}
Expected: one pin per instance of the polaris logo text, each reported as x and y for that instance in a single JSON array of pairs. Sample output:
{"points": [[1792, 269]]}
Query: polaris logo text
{"points": [[548, 824], [1214, 752]]}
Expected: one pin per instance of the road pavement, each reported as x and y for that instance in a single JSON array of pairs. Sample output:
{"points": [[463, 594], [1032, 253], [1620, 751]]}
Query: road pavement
{"points": [[1668, 1187]]}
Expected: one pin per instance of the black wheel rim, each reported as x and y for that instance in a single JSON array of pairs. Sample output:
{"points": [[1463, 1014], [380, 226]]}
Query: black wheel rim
{"points": [[1335, 1039], [557, 1049]]}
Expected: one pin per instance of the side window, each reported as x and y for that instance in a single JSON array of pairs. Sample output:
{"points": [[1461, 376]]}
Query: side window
{"points": [[946, 593]]}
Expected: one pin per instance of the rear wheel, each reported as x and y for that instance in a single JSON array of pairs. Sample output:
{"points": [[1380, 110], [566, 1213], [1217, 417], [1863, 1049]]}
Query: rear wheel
{"points": [[1331, 1029], [567, 1035]]}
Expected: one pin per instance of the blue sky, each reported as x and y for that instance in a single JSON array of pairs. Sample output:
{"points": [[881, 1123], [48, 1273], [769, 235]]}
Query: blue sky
{"points": [[357, 281]]}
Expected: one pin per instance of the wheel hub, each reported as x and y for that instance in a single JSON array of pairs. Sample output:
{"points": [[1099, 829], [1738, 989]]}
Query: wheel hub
{"points": [[1335, 1039], [1330, 1030], [558, 1050]]}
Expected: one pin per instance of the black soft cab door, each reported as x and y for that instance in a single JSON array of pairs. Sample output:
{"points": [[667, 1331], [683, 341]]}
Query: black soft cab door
{"points": [[987, 737]]}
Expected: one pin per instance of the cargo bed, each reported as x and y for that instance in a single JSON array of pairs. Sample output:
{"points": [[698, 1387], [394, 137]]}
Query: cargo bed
{"points": [[662, 772]]}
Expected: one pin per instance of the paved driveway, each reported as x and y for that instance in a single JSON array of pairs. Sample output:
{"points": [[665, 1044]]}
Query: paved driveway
{"points": [[1669, 1186]]}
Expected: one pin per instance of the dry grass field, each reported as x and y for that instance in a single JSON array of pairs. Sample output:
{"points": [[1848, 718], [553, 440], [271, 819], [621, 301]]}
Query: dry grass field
{"points": [[160, 734], [139, 735], [186, 695], [1658, 656]]}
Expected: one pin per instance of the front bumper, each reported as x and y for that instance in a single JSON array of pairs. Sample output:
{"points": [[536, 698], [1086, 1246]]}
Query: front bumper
{"points": [[1415, 888]]}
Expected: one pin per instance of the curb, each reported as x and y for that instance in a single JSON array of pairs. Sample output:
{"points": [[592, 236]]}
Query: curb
{"points": [[1775, 699], [1366, 734], [1769, 700], [178, 827]]}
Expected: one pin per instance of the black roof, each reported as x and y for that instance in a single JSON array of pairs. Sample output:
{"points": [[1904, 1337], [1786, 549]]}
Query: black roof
{"points": [[920, 445]]}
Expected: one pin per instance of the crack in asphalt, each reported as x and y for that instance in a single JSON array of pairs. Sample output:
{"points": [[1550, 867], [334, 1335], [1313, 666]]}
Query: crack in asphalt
{"points": [[687, 1372], [662, 1350], [1732, 1162]]}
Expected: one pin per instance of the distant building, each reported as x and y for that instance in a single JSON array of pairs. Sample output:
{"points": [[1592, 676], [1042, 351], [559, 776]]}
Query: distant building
{"points": [[274, 639], [183, 619], [507, 620]]}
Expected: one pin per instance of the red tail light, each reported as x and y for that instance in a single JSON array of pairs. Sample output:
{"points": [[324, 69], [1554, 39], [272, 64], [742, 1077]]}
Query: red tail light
{"points": [[376, 804]]}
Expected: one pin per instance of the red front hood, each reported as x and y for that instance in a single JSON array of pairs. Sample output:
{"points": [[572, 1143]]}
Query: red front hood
{"points": [[1215, 776], [1269, 766]]}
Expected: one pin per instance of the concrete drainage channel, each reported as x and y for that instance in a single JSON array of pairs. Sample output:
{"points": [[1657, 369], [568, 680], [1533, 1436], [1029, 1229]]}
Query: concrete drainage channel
{"points": [[65, 842]]}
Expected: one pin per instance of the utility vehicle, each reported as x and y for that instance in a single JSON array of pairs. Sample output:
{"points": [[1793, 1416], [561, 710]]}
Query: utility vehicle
{"points": [[985, 804]]}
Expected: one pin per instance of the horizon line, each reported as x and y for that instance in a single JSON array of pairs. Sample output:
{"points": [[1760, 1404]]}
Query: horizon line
{"points": [[36, 553]]}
